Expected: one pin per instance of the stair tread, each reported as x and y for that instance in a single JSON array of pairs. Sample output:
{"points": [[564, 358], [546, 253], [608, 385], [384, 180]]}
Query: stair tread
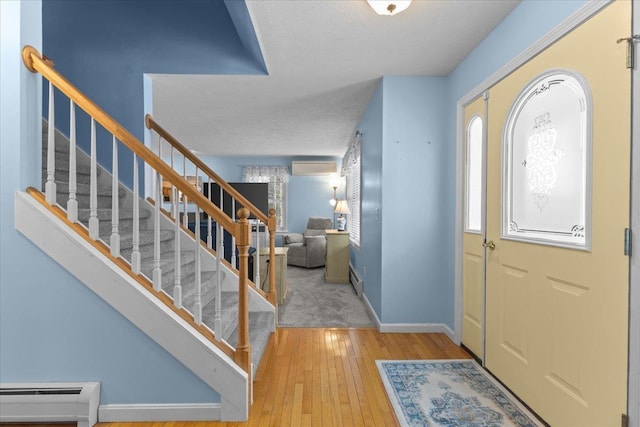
{"points": [[167, 263], [260, 325], [146, 236], [82, 188], [259, 333], [207, 292], [104, 214], [260, 322]]}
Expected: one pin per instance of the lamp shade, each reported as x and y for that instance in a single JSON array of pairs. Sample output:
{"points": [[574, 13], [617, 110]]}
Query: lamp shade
{"points": [[389, 7], [342, 207]]}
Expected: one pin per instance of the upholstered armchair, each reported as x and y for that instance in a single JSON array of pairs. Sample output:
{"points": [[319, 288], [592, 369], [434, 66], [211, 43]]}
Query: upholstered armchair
{"points": [[308, 249]]}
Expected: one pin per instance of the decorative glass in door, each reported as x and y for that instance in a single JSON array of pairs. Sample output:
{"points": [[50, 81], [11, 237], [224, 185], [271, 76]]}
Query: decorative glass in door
{"points": [[546, 160]]}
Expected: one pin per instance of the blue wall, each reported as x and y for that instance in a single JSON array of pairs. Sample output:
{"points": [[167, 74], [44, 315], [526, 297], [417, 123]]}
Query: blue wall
{"points": [[52, 327], [367, 258], [105, 46], [403, 145], [413, 148], [307, 195], [426, 296]]}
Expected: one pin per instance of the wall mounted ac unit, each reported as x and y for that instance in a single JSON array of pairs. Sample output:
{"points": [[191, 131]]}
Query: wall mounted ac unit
{"points": [[313, 167]]}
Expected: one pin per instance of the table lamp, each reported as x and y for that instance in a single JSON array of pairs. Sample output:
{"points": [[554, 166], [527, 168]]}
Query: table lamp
{"points": [[341, 208]]}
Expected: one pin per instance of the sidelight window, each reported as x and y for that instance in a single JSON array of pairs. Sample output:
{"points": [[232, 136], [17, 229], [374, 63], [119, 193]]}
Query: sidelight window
{"points": [[474, 187]]}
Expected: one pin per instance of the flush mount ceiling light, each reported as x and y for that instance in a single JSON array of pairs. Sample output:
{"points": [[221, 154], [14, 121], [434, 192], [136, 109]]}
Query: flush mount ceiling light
{"points": [[389, 7]]}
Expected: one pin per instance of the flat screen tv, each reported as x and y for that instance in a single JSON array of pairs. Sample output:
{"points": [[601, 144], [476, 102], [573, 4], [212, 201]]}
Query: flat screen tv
{"points": [[256, 193]]}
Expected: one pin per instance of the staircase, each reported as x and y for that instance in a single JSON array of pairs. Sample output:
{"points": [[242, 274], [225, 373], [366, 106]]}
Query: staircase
{"points": [[143, 260], [260, 321]]}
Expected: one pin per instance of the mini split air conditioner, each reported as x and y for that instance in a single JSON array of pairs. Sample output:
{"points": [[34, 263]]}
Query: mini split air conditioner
{"points": [[313, 167]]}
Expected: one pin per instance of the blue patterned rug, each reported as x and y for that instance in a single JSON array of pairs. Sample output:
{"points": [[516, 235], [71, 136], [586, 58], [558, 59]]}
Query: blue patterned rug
{"points": [[451, 393]]}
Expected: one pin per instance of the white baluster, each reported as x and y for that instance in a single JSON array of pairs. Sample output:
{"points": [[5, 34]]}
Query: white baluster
{"points": [[50, 190], [233, 238], [94, 223], [217, 316], [220, 252], [135, 254], [115, 204], [209, 236], [197, 306], [185, 216], [256, 266], [72, 203], [177, 282], [177, 288], [174, 211], [157, 271]]}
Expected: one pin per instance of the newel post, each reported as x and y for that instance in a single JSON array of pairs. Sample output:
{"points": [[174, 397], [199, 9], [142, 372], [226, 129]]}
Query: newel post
{"points": [[272, 296], [243, 240]]}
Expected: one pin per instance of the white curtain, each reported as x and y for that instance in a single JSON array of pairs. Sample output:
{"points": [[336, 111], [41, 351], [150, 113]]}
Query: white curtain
{"points": [[352, 156], [277, 177], [265, 174]]}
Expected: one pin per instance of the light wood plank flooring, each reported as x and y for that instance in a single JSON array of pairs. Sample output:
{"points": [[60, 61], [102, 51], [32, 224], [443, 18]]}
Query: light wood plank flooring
{"points": [[328, 377]]}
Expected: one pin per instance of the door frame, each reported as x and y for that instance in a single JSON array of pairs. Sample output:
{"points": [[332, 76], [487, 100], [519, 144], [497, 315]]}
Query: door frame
{"points": [[633, 403], [581, 15]]}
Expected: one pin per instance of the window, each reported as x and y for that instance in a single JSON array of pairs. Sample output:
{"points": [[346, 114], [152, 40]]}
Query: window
{"points": [[353, 200], [474, 175], [277, 177], [351, 170], [547, 151]]}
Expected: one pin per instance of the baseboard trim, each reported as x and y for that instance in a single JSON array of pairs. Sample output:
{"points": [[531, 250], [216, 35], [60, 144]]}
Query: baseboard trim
{"points": [[159, 412], [372, 312], [439, 328]]}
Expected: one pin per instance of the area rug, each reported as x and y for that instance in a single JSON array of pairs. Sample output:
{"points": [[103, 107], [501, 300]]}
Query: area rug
{"points": [[452, 393], [313, 303]]}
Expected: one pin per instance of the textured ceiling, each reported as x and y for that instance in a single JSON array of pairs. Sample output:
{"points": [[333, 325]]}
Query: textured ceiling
{"points": [[324, 58]]}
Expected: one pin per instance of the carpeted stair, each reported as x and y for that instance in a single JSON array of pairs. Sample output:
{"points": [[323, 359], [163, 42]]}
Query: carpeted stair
{"points": [[260, 323]]}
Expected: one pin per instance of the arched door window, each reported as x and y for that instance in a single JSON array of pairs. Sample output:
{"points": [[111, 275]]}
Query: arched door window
{"points": [[547, 159]]}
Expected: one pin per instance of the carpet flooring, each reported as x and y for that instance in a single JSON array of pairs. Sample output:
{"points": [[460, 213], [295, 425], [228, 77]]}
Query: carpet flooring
{"points": [[313, 303], [451, 393]]}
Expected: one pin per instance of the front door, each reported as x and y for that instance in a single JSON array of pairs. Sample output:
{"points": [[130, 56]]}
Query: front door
{"points": [[473, 237], [558, 176]]}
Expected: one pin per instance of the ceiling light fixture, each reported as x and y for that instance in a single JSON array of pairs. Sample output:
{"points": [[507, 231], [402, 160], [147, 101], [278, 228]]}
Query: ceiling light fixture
{"points": [[389, 7]]}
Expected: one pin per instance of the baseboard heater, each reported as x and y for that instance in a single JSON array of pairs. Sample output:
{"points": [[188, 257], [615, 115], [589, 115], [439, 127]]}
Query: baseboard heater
{"points": [[355, 280], [50, 402]]}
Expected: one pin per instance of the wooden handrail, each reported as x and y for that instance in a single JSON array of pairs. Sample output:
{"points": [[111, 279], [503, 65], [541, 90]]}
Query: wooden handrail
{"points": [[270, 220], [241, 230], [152, 124], [213, 252], [35, 63], [188, 317]]}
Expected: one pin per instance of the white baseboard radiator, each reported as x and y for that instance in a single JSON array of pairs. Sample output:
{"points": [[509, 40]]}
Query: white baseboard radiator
{"points": [[355, 280], [50, 402]]}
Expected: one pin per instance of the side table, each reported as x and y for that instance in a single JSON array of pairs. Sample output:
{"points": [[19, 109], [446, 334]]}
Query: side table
{"points": [[337, 262]]}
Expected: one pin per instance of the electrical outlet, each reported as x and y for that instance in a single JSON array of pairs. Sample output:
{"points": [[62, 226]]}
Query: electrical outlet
{"points": [[364, 271]]}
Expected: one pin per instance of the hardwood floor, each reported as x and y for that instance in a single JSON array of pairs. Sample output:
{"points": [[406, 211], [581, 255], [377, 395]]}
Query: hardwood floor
{"points": [[327, 377]]}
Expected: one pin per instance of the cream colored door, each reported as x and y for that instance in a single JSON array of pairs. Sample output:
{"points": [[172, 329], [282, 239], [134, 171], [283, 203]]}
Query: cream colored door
{"points": [[557, 317], [473, 237]]}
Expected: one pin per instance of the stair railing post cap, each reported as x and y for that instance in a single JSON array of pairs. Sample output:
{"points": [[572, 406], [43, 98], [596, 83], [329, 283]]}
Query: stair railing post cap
{"points": [[27, 51]]}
